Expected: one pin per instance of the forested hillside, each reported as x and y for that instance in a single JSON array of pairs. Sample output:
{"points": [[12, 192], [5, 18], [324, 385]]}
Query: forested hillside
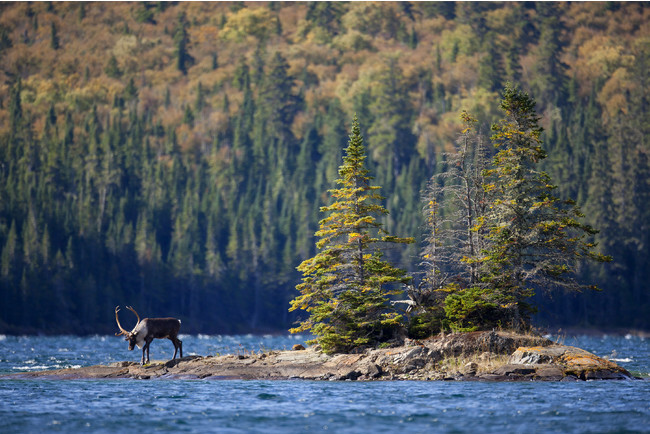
{"points": [[174, 156]]}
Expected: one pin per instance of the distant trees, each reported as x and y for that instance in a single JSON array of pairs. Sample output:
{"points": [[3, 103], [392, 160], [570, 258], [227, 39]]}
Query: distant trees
{"points": [[345, 287], [137, 166], [550, 79]]}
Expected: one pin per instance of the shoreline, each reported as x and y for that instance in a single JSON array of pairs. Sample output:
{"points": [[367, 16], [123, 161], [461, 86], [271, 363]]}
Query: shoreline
{"points": [[544, 331], [474, 356]]}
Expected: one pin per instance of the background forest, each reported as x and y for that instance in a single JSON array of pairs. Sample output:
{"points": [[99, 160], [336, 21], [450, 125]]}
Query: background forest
{"points": [[174, 156]]}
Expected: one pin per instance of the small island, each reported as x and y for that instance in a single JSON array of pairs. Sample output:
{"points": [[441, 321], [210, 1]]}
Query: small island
{"points": [[471, 356]]}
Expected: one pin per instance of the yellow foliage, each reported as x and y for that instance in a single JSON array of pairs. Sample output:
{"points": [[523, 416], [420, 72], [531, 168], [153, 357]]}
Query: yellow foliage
{"points": [[461, 37], [352, 40], [125, 46], [599, 57], [612, 96], [256, 22]]}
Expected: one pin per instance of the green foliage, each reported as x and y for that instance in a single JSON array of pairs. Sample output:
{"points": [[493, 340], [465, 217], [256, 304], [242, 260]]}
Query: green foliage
{"points": [[472, 308], [535, 239], [428, 323], [345, 286], [354, 320], [181, 39], [5, 40], [491, 71], [550, 79], [505, 234], [144, 13], [112, 68]]}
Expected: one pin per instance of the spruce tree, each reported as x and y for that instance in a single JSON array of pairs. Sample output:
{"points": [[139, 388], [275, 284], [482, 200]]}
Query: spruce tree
{"points": [[535, 239], [490, 69], [181, 40], [54, 37], [346, 286]]}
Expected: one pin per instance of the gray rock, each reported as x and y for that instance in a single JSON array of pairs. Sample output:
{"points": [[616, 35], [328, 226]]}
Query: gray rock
{"points": [[371, 370], [516, 370], [605, 374], [549, 373], [569, 378], [470, 369]]}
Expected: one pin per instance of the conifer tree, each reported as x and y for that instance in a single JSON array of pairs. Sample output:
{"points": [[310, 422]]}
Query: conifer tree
{"points": [[549, 81], [346, 286], [54, 37], [181, 39], [535, 238], [491, 70]]}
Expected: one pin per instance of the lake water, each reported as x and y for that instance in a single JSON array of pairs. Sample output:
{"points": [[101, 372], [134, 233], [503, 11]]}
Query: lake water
{"points": [[305, 406]]}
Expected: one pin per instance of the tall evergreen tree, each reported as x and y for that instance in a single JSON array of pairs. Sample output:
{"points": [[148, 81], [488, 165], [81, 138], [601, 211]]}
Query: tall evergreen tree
{"points": [[346, 286], [181, 40], [54, 37], [491, 70], [536, 239], [550, 79]]}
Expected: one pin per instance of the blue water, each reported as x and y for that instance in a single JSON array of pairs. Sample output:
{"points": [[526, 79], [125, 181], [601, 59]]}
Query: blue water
{"points": [[305, 406]]}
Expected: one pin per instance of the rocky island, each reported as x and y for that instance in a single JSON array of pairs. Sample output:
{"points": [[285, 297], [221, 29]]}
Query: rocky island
{"points": [[487, 356]]}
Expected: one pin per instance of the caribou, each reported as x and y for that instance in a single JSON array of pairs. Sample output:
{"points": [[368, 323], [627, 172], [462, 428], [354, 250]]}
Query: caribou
{"points": [[148, 329]]}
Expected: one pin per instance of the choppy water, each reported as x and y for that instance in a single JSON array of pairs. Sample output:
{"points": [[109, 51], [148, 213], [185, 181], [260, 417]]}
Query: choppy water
{"points": [[305, 406]]}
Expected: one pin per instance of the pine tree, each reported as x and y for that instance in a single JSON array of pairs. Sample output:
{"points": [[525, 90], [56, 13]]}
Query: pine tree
{"points": [[54, 37], [5, 40], [490, 69], [549, 81], [181, 39], [278, 104], [15, 108], [344, 287], [536, 239]]}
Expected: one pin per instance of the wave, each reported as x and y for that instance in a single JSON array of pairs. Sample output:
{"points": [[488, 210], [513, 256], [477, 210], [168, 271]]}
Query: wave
{"points": [[623, 360], [44, 367]]}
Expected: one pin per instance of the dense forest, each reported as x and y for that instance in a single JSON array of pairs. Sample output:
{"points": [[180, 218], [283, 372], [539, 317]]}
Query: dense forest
{"points": [[174, 156]]}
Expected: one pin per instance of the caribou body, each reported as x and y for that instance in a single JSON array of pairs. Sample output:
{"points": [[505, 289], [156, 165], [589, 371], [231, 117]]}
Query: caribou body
{"points": [[148, 329]]}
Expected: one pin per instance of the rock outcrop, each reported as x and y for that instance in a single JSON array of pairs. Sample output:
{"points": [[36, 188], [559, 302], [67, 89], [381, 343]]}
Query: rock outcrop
{"points": [[497, 356], [560, 362]]}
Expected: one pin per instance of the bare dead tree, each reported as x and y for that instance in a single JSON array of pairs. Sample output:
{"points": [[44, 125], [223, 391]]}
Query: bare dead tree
{"points": [[455, 204]]}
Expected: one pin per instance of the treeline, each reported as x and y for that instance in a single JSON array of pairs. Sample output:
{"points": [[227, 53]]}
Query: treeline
{"points": [[175, 156]]}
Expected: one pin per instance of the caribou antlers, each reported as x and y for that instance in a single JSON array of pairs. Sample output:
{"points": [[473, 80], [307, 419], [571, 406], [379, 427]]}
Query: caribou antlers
{"points": [[122, 331]]}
